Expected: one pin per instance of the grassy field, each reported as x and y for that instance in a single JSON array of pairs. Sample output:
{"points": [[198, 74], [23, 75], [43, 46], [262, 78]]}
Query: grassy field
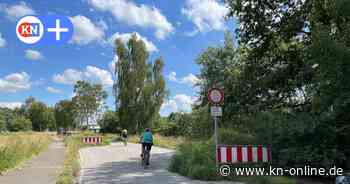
{"points": [[15, 148], [71, 166], [161, 141]]}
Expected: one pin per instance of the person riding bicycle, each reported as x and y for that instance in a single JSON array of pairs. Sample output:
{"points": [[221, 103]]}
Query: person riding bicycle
{"points": [[124, 135], [146, 141]]}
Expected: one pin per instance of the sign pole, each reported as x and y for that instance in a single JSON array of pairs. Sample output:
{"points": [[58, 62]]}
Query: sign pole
{"points": [[215, 98], [216, 141]]}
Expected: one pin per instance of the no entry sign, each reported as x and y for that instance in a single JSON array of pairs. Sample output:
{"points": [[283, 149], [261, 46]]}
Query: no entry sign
{"points": [[215, 96]]}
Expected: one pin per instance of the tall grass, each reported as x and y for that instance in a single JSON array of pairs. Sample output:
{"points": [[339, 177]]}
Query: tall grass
{"points": [[15, 148], [71, 160], [161, 141]]}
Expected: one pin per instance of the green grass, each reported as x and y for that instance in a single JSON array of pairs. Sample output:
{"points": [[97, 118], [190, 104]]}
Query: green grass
{"points": [[161, 141], [16, 148], [197, 161], [71, 166]]}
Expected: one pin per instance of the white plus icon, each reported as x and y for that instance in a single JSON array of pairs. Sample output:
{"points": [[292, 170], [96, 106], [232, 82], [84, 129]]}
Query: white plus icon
{"points": [[58, 30]]}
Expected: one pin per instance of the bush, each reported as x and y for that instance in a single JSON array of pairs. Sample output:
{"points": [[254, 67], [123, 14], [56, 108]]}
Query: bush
{"points": [[110, 123], [195, 160], [232, 136], [20, 123]]}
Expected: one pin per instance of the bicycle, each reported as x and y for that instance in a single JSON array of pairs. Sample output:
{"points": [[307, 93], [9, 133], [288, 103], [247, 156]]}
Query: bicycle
{"points": [[125, 141], [145, 157]]}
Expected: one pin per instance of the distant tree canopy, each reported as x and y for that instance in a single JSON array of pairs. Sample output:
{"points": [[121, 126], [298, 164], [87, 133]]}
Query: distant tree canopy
{"points": [[89, 102], [41, 116], [64, 114], [140, 87]]}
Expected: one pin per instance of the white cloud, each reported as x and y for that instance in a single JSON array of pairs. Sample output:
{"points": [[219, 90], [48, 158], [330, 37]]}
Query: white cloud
{"points": [[91, 73], [172, 76], [179, 103], [184, 102], [11, 105], [125, 37], [69, 77], [97, 75], [168, 107], [53, 90], [16, 11], [190, 79], [101, 23], [136, 15], [2, 41], [206, 15], [15, 82], [85, 31], [33, 55]]}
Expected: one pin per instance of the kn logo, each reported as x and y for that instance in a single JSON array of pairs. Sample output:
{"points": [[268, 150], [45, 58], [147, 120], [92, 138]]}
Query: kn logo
{"points": [[29, 29], [52, 29]]}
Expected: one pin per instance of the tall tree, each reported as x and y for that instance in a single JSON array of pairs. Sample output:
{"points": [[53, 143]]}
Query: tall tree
{"points": [[89, 102], [64, 114], [139, 88]]}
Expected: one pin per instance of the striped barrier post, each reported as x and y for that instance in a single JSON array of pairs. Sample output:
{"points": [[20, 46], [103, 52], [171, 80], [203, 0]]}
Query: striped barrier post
{"points": [[243, 154], [92, 140]]}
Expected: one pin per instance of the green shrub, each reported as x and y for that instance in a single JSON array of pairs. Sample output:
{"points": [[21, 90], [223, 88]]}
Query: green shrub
{"points": [[231, 136], [20, 123]]}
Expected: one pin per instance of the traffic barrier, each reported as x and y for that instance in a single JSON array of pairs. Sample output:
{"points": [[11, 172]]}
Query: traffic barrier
{"points": [[243, 154], [92, 140]]}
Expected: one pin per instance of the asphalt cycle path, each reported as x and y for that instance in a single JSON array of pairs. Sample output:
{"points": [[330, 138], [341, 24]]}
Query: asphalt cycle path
{"points": [[42, 169], [119, 164]]}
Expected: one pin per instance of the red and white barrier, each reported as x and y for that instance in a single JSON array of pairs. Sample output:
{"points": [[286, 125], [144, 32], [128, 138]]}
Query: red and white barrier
{"points": [[92, 140], [243, 154]]}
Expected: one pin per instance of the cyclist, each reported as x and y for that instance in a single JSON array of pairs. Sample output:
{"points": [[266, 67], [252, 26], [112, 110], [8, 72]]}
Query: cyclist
{"points": [[124, 136], [146, 141]]}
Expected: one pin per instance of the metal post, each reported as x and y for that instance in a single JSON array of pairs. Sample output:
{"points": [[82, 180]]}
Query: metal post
{"points": [[216, 141]]}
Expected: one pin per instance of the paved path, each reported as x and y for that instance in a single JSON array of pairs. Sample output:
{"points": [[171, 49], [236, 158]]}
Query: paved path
{"points": [[117, 164], [43, 169]]}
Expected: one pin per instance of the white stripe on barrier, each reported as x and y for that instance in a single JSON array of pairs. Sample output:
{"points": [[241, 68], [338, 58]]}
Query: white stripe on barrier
{"points": [[244, 154], [264, 152], [223, 154], [255, 154], [234, 154]]}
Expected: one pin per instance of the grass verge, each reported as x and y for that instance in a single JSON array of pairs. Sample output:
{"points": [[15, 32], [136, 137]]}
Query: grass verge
{"points": [[161, 141], [71, 166], [197, 161], [16, 148]]}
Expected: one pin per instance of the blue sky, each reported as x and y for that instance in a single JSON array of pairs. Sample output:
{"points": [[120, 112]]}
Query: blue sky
{"points": [[176, 30]]}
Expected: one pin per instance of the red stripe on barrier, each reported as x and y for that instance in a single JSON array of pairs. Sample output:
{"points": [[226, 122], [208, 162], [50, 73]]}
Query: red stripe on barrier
{"points": [[218, 153], [229, 154], [260, 153], [250, 153], [239, 153]]}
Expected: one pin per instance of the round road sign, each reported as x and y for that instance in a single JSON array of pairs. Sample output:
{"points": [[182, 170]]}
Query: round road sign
{"points": [[215, 96]]}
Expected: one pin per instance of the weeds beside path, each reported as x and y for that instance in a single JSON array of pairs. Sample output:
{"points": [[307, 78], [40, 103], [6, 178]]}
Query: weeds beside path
{"points": [[71, 167], [16, 148], [42, 169]]}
